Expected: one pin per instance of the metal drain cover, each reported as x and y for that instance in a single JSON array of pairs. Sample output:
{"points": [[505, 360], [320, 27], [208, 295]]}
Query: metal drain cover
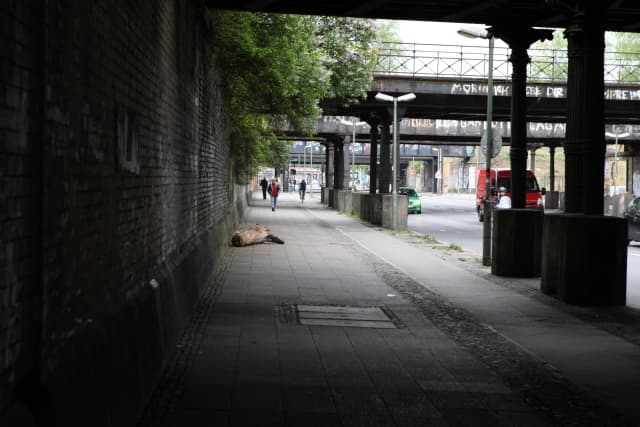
{"points": [[355, 317]]}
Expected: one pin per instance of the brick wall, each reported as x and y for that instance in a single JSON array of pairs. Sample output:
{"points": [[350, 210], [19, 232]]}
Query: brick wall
{"points": [[20, 193], [117, 197]]}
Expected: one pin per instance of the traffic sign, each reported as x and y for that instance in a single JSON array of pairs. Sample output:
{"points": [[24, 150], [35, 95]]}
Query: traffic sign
{"points": [[496, 141]]}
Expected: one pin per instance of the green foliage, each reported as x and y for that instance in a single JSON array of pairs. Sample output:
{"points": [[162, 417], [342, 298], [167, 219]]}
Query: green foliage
{"points": [[415, 165], [549, 59], [277, 68], [623, 64], [387, 31], [349, 56], [392, 54]]}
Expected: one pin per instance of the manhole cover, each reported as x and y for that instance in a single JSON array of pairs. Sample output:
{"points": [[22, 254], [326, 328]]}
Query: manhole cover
{"points": [[356, 317]]}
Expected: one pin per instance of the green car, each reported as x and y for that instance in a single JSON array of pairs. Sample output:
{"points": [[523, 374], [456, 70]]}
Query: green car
{"points": [[415, 206]]}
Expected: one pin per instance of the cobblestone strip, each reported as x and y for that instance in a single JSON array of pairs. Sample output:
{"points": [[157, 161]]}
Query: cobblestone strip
{"points": [[540, 386], [164, 396], [619, 321]]}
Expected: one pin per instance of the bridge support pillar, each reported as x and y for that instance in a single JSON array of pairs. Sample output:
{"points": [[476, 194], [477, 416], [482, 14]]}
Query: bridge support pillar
{"points": [[585, 252], [338, 166], [552, 197], [329, 169], [375, 209], [584, 260], [347, 165], [585, 144], [516, 247], [519, 40], [387, 208], [385, 158], [373, 157]]}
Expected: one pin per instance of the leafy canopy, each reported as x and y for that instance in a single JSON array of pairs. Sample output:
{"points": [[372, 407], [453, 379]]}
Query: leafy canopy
{"points": [[277, 69]]}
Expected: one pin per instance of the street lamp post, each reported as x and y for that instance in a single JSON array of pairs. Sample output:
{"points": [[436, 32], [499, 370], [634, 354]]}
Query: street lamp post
{"points": [[394, 188], [486, 229], [439, 175], [353, 141], [615, 158], [306, 175]]}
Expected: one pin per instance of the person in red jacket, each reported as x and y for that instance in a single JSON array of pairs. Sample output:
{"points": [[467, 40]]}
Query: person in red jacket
{"points": [[274, 190]]}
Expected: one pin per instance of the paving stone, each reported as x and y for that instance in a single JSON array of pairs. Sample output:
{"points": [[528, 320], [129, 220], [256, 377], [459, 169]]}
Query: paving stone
{"points": [[309, 400], [416, 404], [313, 420], [267, 401], [251, 365], [470, 417], [196, 418]]}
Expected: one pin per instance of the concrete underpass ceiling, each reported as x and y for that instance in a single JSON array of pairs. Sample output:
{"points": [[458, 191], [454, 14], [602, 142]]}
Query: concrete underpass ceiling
{"points": [[620, 15]]}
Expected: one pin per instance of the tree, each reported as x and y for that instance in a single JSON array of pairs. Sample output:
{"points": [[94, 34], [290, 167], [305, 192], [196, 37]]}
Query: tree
{"points": [[549, 59], [392, 54], [277, 68], [623, 62]]}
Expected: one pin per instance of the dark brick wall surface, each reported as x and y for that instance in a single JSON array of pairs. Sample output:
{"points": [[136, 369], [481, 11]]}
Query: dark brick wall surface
{"points": [[20, 192], [116, 199]]}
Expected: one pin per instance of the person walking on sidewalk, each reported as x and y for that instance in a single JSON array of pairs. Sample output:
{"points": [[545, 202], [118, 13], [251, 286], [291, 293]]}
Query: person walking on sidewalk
{"points": [[264, 184], [302, 189], [274, 190]]}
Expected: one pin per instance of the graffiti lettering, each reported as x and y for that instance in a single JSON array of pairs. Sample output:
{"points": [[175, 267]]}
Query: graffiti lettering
{"points": [[622, 94]]}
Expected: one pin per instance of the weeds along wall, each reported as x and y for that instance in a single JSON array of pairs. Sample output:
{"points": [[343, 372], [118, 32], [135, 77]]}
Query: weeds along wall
{"points": [[116, 203]]}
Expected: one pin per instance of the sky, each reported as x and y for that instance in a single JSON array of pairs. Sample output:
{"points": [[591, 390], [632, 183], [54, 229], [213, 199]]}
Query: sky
{"points": [[438, 33]]}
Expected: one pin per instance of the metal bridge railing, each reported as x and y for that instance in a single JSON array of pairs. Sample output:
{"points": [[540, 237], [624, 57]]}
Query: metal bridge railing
{"points": [[454, 61]]}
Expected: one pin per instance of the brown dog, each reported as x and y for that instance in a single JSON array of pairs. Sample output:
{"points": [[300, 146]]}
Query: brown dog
{"points": [[254, 235]]}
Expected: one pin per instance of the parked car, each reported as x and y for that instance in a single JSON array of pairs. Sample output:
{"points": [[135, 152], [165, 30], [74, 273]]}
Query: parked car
{"points": [[632, 214], [415, 206]]}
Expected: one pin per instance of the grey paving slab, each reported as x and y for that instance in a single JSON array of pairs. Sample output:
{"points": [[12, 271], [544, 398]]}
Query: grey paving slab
{"points": [[467, 351], [577, 349]]}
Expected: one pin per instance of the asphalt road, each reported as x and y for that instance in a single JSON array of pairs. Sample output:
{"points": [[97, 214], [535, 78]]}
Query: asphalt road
{"points": [[453, 219]]}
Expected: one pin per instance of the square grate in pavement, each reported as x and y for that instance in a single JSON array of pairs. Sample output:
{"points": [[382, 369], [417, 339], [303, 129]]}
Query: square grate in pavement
{"points": [[345, 316]]}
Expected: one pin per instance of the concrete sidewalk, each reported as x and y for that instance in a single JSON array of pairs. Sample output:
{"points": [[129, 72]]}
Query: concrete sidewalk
{"points": [[350, 325]]}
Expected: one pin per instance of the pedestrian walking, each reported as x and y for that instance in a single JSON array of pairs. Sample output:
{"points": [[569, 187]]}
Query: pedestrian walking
{"points": [[274, 190], [264, 184], [302, 189]]}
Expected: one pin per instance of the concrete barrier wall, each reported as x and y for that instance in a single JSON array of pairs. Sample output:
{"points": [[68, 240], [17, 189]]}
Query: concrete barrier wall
{"points": [[375, 209], [517, 242], [331, 195], [365, 206], [387, 209], [576, 268]]}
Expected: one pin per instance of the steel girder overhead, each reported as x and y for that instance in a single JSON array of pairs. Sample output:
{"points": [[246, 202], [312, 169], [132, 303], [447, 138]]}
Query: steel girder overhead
{"points": [[621, 15]]}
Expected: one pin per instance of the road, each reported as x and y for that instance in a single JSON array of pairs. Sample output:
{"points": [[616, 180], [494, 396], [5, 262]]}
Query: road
{"points": [[453, 219]]}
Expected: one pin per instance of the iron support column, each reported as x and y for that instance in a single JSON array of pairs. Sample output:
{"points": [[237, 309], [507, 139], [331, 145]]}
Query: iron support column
{"points": [[532, 159], [552, 168], [585, 145], [373, 157], [519, 39], [338, 165], [329, 169], [385, 158]]}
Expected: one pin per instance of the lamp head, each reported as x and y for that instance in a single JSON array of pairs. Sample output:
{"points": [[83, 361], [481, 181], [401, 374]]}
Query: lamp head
{"points": [[617, 135], [407, 97], [383, 97], [474, 33]]}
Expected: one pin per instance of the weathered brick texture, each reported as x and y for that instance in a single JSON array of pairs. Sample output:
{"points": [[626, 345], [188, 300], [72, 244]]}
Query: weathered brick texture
{"points": [[20, 193], [115, 170]]}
